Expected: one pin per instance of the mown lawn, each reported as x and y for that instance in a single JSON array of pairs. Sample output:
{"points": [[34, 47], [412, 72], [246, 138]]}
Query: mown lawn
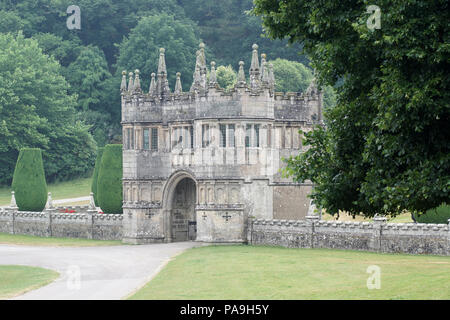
{"points": [[61, 190], [16, 280], [18, 239], [401, 218], [258, 272]]}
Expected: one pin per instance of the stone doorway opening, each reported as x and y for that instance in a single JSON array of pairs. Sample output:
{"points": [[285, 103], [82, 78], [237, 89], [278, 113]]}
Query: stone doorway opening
{"points": [[183, 222]]}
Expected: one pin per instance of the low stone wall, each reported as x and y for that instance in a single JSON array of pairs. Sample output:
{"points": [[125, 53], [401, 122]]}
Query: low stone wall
{"points": [[83, 223], [378, 236]]}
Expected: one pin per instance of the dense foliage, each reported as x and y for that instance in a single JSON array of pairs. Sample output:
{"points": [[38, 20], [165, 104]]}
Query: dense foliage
{"points": [[226, 77], [109, 183], [29, 183], [141, 49], [440, 214], [37, 111], [386, 147], [117, 35], [98, 162]]}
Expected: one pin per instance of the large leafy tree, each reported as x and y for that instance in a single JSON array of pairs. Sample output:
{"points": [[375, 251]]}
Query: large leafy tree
{"points": [[226, 77], [385, 147], [88, 76], [37, 111], [141, 49], [222, 23]]}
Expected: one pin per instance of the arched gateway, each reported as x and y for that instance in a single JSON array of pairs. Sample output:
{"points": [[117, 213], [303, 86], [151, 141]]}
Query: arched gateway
{"points": [[179, 204], [198, 164]]}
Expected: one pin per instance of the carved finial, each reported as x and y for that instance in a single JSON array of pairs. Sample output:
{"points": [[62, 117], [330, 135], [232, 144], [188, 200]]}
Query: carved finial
{"points": [[152, 89], [265, 75], [202, 62], [241, 74], [263, 66], [312, 88], [212, 75], [162, 62], [123, 85], [162, 85], [91, 201], [49, 204], [178, 87], [271, 76], [13, 203], [130, 82], [137, 81], [254, 68]]}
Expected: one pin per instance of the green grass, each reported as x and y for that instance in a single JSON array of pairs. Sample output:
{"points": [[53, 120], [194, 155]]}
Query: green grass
{"points": [[16, 280], [401, 218], [258, 272], [6, 238], [61, 190]]}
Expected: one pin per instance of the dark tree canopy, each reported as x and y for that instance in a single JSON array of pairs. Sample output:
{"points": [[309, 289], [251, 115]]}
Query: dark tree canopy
{"points": [[92, 58], [386, 146]]}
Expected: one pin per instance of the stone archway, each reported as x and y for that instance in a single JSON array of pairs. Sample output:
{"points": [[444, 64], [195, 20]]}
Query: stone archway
{"points": [[179, 202]]}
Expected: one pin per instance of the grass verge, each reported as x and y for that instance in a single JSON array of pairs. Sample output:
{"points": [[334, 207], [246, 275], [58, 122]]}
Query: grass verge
{"points": [[16, 280], [258, 272], [6, 238]]}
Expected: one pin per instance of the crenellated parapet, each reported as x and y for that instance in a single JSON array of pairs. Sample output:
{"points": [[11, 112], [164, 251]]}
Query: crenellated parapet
{"points": [[253, 98]]}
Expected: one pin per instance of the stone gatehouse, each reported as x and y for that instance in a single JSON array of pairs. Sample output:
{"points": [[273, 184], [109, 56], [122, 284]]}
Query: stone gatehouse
{"points": [[198, 164]]}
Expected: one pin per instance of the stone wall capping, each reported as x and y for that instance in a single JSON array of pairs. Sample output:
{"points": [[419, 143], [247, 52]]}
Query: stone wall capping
{"points": [[51, 222], [378, 236]]}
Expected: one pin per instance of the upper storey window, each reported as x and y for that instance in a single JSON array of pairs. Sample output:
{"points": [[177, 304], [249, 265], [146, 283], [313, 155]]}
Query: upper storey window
{"points": [[129, 138], [231, 137], [146, 139], [227, 138], [252, 135], [183, 137], [155, 139], [150, 139], [223, 135], [206, 136]]}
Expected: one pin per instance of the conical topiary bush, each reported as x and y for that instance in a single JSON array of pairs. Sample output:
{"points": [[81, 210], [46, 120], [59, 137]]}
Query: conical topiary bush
{"points": [[28, 182], [95, 174], [109, 182]]}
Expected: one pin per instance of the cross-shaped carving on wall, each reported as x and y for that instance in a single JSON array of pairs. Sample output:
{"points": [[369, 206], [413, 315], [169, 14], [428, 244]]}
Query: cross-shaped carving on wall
{"points": [[204, 216], [226, 216]]}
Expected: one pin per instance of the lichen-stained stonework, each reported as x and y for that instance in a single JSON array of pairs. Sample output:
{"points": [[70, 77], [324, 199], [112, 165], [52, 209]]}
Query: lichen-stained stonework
{"points": [[197, 164]]}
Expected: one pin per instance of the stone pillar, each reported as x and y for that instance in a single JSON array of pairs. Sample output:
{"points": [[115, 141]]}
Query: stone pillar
{"points": [[311, 220], [12, 210], [90, 215], [49, 211], [375, 242], [448, 238]]}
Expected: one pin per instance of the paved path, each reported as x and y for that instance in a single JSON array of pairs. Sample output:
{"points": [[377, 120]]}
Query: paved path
{"points": [[62, 201], [105, 272]]}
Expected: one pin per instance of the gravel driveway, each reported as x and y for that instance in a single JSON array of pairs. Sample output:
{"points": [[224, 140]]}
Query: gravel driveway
{"points": [[90, 273]]}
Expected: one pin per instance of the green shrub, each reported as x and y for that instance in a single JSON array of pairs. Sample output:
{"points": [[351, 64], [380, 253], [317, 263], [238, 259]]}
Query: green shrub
{"points": [[109, 183], [440, 214], [29, 183], [95, 175]]}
